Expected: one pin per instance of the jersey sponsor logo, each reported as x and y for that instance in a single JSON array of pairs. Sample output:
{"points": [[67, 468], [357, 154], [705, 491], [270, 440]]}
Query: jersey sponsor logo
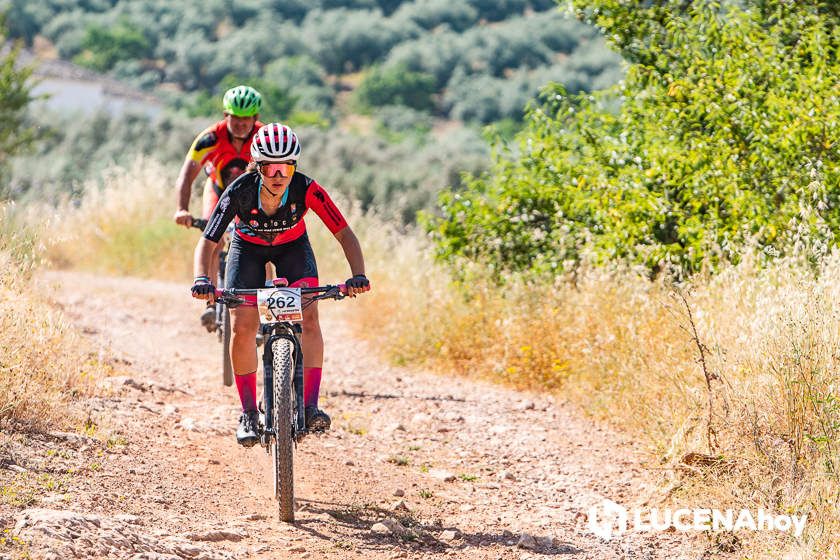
{"points": [[253, 223], [206, 141], [212, 231], [224, 203]]}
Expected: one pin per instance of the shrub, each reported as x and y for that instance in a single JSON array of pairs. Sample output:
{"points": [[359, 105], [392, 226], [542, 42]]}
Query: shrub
{"points": [[396, 85], [45, 366], [458, 15], [497, 10], [103, 47], [345, 41]]}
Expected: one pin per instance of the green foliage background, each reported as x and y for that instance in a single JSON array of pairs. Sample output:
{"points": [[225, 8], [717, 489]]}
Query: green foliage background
{"points": [[724, 134], [197, 47], [425, 74]]}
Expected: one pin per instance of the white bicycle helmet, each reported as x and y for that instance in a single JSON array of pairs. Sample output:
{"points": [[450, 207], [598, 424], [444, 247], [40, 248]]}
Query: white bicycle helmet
{"points": [[275, 142]]}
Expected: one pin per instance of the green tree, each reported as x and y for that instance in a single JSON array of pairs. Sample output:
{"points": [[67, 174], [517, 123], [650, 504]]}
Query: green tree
{"points": [[103, 47], [723, 134], [397, 85], [497, 10], [428, 14], [15, 97]]}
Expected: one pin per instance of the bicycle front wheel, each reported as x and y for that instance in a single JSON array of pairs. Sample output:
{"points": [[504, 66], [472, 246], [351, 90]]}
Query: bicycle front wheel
{"points": [[283, 420]]}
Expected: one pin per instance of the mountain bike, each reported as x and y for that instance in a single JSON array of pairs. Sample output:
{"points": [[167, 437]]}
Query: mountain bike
{"points": [[222, 313], [284, 422]]}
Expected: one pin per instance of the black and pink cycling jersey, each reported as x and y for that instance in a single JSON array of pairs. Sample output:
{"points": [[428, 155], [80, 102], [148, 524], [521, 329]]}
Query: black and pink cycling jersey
{"points": [[241, 201]]}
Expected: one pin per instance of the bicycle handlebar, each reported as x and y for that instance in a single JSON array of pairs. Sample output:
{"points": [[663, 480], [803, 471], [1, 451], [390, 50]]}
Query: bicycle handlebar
{"points": [[199, 223], [233, 297]]}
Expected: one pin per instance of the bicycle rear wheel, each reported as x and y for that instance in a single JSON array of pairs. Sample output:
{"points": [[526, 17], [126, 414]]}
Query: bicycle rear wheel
{"points": [[223, 317], [283, 420], [227, 366]]}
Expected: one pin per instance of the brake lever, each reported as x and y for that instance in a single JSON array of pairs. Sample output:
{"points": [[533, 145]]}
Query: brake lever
{"points": [[231, 301], [333, 293]]}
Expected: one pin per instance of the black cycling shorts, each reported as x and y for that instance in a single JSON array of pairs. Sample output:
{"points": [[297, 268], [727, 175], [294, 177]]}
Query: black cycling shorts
{"points": [[246, 262]]}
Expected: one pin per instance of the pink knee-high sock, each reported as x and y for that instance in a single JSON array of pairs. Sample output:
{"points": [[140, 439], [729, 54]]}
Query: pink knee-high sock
{"points": [[311, 385], [247, 386]]}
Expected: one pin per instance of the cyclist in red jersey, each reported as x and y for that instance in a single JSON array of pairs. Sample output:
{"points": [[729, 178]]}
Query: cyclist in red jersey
{"points": [[268, 203], [223, 151]]}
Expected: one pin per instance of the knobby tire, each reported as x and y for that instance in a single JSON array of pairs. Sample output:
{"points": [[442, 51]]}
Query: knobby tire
{"points": [[283, 419], [224, 331], [223, 319]]}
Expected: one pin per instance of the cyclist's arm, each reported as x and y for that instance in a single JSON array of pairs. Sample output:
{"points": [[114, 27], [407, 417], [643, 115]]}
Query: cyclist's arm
{"points": [[183, 186], [352, 250], [189, 171], [202, 257]]}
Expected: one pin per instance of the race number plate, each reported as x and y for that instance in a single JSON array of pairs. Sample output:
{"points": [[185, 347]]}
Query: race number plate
{"points": [[279, 304]]}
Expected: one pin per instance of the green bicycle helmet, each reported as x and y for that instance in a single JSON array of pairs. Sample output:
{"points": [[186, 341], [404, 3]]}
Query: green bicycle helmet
{"points": [[242, 101]]}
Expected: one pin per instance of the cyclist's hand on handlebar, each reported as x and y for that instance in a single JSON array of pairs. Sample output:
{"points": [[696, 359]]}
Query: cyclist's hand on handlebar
{"points": [[357, 285], [202, 288], [183, 218]]}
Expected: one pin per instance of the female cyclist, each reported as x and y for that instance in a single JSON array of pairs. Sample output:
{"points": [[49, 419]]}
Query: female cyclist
{"points": [[269, 201]]}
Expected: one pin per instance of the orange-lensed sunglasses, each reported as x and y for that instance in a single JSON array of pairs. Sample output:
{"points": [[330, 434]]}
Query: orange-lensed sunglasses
{"points": [[284, 169]]}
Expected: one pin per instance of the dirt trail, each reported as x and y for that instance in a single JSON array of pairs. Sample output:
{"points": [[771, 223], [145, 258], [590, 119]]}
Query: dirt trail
{"points": [[474, 465]]}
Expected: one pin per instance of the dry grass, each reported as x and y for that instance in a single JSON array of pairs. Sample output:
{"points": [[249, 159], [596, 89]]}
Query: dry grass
{"points": [[123, 225], [44, 366]]}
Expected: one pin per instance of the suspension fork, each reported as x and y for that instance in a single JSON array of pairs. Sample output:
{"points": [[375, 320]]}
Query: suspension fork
{"points": [[297, 381]]}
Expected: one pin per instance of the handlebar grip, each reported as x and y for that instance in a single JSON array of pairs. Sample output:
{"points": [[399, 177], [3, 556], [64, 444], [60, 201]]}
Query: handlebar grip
{"points": [[199, 223]]}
